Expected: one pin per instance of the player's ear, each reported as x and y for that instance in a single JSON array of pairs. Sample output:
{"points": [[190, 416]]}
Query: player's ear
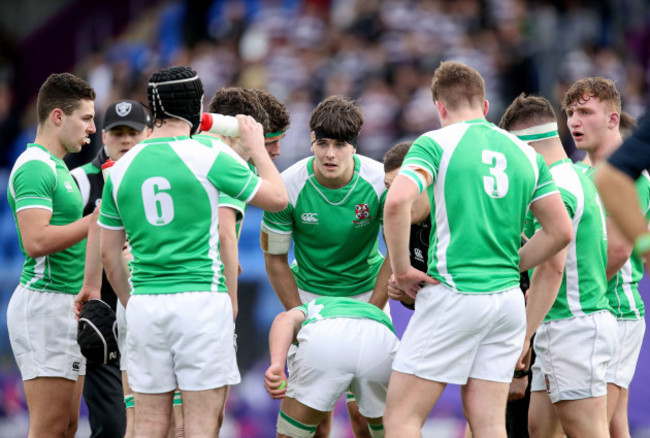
{"points": [[614, 120], [57, 115], [486, 107]]}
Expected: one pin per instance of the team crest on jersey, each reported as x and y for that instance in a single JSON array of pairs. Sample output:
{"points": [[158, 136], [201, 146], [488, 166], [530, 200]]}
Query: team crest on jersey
{"points": [[362, 213], [123, 108]]}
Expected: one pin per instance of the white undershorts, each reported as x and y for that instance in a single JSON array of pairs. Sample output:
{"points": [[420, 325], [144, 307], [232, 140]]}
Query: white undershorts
{"points": [[182, 340], [453, 336], [120, 316], [43, 334]]}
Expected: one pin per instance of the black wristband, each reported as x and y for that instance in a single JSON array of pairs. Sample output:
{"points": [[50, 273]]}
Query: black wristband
{"points": [[518, 374]]}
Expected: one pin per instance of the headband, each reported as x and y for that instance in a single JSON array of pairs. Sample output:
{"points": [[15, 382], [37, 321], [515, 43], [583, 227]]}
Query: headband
{"points": [[537, 132], [321, 133]]}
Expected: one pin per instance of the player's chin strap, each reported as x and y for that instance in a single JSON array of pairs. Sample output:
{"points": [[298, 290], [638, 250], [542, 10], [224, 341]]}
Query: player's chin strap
{"points": [[537, 132], [294, 428]]}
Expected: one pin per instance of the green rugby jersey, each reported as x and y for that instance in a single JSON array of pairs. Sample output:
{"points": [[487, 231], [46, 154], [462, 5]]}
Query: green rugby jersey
{"points": [[165, 194], [585, 281], [40, 179], [334, 231], [342, 307], [482, 181], [623, 288]]}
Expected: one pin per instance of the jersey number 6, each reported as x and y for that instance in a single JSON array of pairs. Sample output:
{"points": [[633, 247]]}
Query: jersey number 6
{"points": [[158, 205]]}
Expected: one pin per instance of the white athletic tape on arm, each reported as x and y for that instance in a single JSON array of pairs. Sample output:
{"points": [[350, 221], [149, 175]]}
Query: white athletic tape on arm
{"points": [[274, 243]]}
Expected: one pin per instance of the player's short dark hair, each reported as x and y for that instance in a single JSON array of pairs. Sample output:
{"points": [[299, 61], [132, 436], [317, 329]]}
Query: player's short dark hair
{"points": [[176, 92], [596, 86], [63, 91], [337, 117], [231, 101], [532, 110], [395, 156], [456, 84], [279, 119]]}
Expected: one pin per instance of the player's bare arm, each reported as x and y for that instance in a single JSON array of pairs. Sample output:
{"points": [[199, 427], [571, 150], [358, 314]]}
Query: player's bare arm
{"points": [[92, 284], [229, 252], [282, 279], [555, 234], [283, 332], [380, 293], [111, 245], [40, 238]]}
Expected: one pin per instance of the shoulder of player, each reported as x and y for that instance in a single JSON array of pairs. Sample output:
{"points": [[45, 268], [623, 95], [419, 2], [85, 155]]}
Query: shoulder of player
{"points": [[372, 171], [33, 158]]}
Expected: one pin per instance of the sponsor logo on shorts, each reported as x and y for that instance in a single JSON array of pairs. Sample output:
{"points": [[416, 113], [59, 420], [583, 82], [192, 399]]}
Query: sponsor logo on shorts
{"points": [[548, 383], [309, 218], [75, 366], [418, 254]]}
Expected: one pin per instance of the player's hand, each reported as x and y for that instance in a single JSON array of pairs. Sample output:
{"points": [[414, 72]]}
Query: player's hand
{"points": [[398, 294], [412, 280], [251, 134], [517, 388], [85, 294], [521, 362], [275, 381]]}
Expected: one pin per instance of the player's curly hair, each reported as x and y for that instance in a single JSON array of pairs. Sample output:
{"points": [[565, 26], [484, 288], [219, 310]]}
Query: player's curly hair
{"points": [[176, 92], [231, 101], [279, 119], [596, 86], [532, 110], [456, 84], [337, 117], [63, 91]]}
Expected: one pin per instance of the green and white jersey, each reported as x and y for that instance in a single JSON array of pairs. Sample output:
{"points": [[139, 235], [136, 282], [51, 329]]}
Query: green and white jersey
{"points": [[585, 280], [40, 179], [481, 181], [623, 288], [225, 200], [165, 194], [334, 231], [341, 307]]}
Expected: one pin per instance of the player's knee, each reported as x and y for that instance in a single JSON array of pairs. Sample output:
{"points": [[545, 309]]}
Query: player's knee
{"points": [[293, 428]]}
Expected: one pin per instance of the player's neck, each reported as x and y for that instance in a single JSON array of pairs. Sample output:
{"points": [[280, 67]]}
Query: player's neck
{"points": [[171, 128], [551, 149], [605, 149], [50, 141], [462, 115]]}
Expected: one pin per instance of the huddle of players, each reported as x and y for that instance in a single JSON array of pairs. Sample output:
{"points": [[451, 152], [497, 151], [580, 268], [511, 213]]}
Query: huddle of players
{"points": [[473, 181]]}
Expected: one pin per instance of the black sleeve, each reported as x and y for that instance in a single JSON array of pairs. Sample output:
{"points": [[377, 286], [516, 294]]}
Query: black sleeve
{"points": [[634, 155]]}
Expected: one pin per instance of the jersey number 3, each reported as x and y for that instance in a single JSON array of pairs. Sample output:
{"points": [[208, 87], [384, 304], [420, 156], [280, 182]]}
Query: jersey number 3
{"points": [[496, 186], [158, 205]]}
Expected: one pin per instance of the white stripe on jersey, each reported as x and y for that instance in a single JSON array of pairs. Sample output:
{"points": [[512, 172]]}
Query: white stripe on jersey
{"points": [[32, 153], [566, 177], [626, 277], [295, 178], [82, 181]]}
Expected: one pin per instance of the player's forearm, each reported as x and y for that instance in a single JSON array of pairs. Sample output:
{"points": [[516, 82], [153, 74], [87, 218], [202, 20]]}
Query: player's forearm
{"points": [[397, 228], [281, 336], [93, 266], [230, 259], [273, 193], [51, 239], [111, 249], [543, 245], [380, 293], [543, 290], [619, 195], [282, 280]]}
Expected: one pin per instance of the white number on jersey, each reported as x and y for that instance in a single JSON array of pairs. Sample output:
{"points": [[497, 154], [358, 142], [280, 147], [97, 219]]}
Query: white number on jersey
{"points": [[158, 205], [495, 186]]}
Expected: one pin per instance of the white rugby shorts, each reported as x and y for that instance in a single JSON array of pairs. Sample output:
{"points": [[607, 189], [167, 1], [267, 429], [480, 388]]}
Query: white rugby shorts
{"points": [[453, 336], [620, 370], [337, 354], [572, 356], [43, 334], [182, 340]]}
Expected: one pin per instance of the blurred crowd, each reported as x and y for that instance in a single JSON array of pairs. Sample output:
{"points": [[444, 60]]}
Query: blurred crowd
{"points": [[382, 52]]}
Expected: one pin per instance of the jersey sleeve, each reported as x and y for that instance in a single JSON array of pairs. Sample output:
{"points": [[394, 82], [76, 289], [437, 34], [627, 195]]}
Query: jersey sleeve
{"points": [[643, 193], [109, 217], [530, 225], [634, 155], [33, 185], [421, 162], [280, 222], [227, 201], [545, 184], [234, 178]]}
